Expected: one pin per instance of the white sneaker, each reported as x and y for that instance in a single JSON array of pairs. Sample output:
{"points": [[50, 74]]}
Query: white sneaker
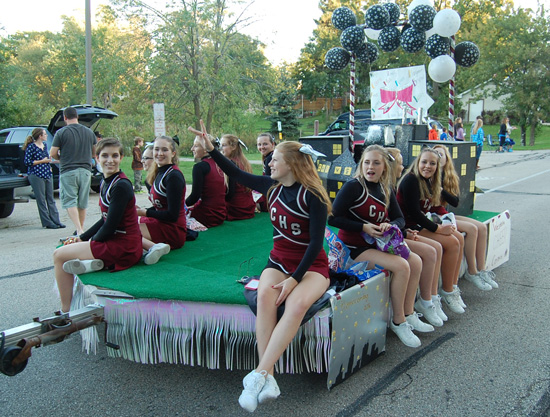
{"points": [[253, 384], [78, 267], [405, 334], [489, 278], [270, 391], [155, 252], [417, 324], [451, 299], [436, 299], [477, 281], [460, 300], [429, 313]]}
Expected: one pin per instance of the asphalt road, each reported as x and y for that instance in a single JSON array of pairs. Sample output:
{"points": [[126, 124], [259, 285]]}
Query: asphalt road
{"points": [[494, 360]]}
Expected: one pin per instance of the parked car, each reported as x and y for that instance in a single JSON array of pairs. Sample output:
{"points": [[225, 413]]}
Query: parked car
{"points": [[89, 116]]}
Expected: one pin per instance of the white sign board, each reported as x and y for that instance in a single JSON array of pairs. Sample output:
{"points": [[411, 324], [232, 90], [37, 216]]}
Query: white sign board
{"points": [[399, 90], [158, 114], [498, 244]]}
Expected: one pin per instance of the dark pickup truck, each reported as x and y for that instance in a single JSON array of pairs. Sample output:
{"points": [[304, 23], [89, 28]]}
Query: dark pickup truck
{"points": [[12, 176]]}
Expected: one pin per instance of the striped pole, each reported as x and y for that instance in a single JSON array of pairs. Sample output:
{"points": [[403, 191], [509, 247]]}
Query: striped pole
{"points": [[451, 131], [352, 100]]}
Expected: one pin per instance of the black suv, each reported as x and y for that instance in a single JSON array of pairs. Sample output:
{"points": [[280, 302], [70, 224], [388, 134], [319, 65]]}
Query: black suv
{"points": [[89, 116]]}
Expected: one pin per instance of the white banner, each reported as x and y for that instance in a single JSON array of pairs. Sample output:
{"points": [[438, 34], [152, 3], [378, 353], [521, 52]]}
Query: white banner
{"points": [[158, 114], [399, 90]]}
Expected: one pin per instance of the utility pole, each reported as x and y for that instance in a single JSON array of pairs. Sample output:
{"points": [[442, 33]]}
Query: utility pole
{"points": [[89, 92]]}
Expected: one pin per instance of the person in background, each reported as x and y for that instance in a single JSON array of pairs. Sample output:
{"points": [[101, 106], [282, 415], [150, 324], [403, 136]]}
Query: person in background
{"points": [[474, 125], [477, 137], [164, 226], [147, 161], [114, 241], [207, 199], [137, 165], [40, 176], [266, 145], [459, 130], [444, 134], [239, 201], [74, 147], [434, 134]]}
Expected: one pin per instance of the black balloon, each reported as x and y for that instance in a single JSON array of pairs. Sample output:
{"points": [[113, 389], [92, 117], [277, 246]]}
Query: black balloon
{"points": [[352, 38], [393, 10], [337, 58], [368, 53], [377, 17], [343, 18], [412, 40], [437, 45], [422, 17], [466, 54], [389, 39]]}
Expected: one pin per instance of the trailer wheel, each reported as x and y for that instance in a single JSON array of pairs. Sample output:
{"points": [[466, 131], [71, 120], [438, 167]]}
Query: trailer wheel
{"points": [[6, 209], [6, 357]]}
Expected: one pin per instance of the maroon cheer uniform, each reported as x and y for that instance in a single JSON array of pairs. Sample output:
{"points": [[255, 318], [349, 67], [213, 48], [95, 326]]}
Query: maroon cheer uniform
{"points": [[239, 201], [208, 195], [166, 221], [116, 238]]}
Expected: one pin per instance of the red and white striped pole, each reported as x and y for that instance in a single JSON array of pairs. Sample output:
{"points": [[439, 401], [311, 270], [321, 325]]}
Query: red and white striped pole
{"points": [[451, 131], [352, 99]]}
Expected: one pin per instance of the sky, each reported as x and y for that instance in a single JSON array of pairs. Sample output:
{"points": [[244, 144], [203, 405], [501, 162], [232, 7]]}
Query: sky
{"points": [[283, 25]]}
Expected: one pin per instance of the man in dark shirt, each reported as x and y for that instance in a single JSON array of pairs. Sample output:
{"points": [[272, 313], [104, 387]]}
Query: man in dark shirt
{"points": [[74, 145]]}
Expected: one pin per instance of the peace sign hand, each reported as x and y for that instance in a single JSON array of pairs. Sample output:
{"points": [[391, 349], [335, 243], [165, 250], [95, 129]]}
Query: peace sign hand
{"points": [[202, 136]]}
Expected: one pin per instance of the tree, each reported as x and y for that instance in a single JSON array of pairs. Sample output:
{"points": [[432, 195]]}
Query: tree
{"points": [[283, 110]]}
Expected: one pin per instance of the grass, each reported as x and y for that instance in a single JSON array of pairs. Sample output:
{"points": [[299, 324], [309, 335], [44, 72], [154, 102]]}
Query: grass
{"points": [[542, 137], [185, 166]]}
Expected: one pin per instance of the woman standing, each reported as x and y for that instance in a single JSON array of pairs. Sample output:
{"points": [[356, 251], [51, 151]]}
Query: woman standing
{"points": [[367, 204], [459, 130], [37, 160], [239, 201], [297, 270], [115, 240], [207, 200], [418, 192], [164, 225]]}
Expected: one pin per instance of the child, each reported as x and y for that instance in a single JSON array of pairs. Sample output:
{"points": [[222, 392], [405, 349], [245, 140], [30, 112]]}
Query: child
{"points": [[115, 240], [444, 134], [137, 165]]}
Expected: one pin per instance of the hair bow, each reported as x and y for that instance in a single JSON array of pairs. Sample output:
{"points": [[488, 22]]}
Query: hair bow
{"points": [[243, 144], [308, 150]]}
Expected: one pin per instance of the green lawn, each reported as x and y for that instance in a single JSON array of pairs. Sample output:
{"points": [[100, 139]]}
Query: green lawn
{"points": [[185, 166], [542, 137]]}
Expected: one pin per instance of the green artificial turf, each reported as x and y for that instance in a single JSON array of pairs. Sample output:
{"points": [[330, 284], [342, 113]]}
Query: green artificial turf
{"points": [[204, 270]]}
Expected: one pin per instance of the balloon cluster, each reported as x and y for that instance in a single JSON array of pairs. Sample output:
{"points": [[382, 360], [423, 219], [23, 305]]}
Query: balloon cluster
{"points": [[426, 29]]}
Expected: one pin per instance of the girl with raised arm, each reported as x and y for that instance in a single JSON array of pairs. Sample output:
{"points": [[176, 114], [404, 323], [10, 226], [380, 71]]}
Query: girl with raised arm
{"points": [[297, 269]]}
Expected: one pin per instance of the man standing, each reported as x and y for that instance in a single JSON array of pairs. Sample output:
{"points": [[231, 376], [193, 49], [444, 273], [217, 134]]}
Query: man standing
{"points": [[74, 145]]}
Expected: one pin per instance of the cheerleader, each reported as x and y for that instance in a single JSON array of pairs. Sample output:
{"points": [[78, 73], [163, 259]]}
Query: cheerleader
{"points": [[114, 241], [418, 192], [367, 204], [163, 226], [297, 269], [207, 200]]}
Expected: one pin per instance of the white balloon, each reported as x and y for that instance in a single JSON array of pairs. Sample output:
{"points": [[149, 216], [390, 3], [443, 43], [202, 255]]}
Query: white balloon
{"points": [[372, 33], [415, 3], [446, 22], [442, 68]]}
